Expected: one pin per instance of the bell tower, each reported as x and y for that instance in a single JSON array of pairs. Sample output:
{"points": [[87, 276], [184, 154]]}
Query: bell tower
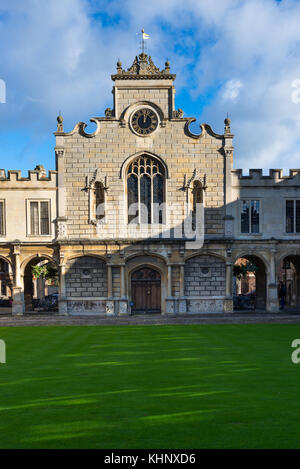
{"points": [[145, 83]]}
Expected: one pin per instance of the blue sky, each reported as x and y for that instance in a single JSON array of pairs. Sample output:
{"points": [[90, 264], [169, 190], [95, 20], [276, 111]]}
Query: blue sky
{"points": [[240, 57]]}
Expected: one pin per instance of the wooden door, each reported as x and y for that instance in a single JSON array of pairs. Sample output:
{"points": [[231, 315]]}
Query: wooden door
{"points": [[146, 291]]}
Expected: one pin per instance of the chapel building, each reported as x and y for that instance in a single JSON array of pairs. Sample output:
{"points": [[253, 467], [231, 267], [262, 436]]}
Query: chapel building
{"points": [[145, 216]]}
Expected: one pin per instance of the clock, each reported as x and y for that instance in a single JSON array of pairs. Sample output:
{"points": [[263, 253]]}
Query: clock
{"points": [[144, 121]]}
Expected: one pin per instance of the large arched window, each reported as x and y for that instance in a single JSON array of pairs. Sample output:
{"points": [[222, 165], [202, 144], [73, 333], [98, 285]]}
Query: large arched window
{"points": [[146, 191]]}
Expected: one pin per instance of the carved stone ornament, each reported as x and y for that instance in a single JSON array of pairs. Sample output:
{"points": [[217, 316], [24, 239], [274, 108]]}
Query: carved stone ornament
{"points": [[61, 228], [196, 176], [143, 68], [178, 114], [89, 183], [109, 113], [60, 123]]}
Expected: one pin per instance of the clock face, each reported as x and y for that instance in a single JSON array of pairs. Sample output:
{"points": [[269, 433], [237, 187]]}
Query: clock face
{"points": [[144, 121]]}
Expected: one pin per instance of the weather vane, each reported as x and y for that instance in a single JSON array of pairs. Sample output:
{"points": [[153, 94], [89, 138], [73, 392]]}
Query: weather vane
{"points": [[144, 38]]}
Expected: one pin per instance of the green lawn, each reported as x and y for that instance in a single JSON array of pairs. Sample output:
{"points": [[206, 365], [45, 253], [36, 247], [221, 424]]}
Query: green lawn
{"points": [[218, 386]]}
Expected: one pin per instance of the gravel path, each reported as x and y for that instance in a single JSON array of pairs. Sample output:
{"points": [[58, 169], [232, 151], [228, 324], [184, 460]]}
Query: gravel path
{"points": [[236, 318]]}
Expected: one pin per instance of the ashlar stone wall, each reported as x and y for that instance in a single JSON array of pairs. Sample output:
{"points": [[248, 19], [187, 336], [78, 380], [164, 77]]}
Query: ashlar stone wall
{"points": [[204, 276], [107, 152], [86, 277]]}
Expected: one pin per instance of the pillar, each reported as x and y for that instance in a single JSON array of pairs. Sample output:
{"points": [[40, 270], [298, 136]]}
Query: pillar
{"points": [[272, 295], [123, 303], [182, 300], [228, 280], [18, 306], [62, 300], [169, 293], [109, 281], [169, 300], [110, 306], [181, 280], [228, 303]]}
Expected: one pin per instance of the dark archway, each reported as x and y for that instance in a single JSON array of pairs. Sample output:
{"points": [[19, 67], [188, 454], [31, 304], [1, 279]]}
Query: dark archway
{"points": [[146, 291], [39, 293], [289, 277], [250, 290], [6, 284]]}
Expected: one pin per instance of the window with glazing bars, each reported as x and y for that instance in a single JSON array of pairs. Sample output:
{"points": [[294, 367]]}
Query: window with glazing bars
{"points": [[250, 216], [146, 191], [2, 221], [292, 216], [39, 218]]}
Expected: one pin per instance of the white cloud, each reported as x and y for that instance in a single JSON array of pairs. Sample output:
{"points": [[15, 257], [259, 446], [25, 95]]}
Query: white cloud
{"points": [[231, 90], [57, 57]]}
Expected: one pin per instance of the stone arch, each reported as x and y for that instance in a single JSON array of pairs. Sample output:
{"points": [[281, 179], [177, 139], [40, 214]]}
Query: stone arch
{"points": [[131, 158], [251, 291], [87, 253], [154, 262], [35, 290], [37, 257], [206, 253], [288, 277], [148, 254], [6, 281], [6, 259], [259, 255]]}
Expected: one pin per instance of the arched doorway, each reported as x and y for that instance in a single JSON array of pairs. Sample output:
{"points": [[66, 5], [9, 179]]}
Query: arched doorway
{"points": [[146, 291], [250, 285], [289, 277], [41, 291]]}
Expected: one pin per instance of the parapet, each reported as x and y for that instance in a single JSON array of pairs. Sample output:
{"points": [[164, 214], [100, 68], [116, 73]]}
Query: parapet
{"points": [[256, 177], [33, 176]]}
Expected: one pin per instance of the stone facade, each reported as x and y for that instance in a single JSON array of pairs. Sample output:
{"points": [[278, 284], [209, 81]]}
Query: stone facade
{"points": [[101, 256], [211, 272]]}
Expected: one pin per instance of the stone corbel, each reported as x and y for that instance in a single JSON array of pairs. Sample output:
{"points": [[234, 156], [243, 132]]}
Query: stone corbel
{"points": [[60, 152]]}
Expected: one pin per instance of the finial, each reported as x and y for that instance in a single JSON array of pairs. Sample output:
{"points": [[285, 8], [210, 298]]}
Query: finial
{"points": [[60, 120], [227, 123], [119, 66], [41, 171], [167, 65]]}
